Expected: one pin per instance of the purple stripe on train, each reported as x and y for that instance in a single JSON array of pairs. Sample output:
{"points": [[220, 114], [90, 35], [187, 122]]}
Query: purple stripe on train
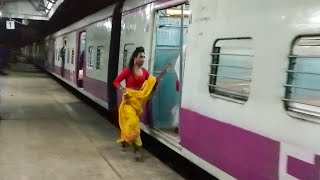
{"points": [[57, 70], [303, 170], [92, 86], [241, 153], [96, 87], [67, 74]]}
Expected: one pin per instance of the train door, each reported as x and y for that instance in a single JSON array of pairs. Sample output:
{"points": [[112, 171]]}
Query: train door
{"points": [[113, 63], [81, 58], [56, 55], [171, 29], [63, 56], [53, 53]]}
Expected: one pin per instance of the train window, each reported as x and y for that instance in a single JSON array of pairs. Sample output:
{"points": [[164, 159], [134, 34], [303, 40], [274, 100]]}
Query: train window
{"points": [[90, 57], [230, 74], [57, 55], [100, 56], [303, 88], [68, 56], [72, 56]]}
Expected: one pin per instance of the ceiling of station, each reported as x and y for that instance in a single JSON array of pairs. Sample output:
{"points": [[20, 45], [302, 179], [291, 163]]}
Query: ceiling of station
{"points": [[29, 9], [68, 12]]}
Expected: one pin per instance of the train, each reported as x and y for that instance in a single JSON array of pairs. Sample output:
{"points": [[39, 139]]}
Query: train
{"points": [[241, 99]]}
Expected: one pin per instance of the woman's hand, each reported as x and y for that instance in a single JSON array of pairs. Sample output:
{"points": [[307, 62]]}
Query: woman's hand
{"points": [[124, 92], [166, 67], [164, 71]]}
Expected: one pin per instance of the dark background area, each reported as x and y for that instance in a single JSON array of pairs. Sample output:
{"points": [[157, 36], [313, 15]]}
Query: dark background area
{"points": [[68, 12]]}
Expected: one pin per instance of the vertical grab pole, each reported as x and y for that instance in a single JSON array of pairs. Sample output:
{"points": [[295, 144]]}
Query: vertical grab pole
{"points": [[181, 66], [181, 54]]}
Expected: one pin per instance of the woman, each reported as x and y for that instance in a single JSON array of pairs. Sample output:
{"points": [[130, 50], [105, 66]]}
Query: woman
{"points": [[139, 85]]}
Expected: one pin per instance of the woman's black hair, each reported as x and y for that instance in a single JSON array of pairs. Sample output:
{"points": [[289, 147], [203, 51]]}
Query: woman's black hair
{"points": [[134, 55]]}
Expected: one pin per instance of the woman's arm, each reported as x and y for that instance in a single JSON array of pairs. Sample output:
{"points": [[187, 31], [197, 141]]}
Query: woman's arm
{"points": [[123, 75], [164, 71]]}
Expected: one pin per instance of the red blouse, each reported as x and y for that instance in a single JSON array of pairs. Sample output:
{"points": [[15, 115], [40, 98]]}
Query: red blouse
{"points": [[132, 81]]}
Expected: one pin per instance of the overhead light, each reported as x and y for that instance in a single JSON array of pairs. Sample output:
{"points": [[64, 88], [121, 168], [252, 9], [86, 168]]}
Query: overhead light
{"points": [[25, 21], [0, 13], [177, 12], [50, 4]]}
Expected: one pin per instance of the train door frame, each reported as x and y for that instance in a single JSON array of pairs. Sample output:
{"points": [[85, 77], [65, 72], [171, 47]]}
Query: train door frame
{"points": [[114, 60], [78, 56], [63, 59], [181, 58], [53, 43]]}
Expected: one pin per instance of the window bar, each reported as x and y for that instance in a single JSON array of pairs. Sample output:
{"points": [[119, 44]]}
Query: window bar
{"points": [[216, 86], [299, 87], [295, 56], [299, 102], [230, 66], [300, 72], [229, 54], [242, 79]]}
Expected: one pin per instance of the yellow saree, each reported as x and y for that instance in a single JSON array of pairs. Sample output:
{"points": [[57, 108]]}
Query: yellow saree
{"points": [[130, 111]]}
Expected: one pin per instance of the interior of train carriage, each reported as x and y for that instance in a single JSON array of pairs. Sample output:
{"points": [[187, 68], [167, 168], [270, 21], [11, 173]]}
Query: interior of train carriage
{"points": [[171, 30], [81, 58]]}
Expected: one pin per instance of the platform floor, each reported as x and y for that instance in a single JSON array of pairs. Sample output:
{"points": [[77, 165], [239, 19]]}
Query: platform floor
{"points": [[46, 133]]}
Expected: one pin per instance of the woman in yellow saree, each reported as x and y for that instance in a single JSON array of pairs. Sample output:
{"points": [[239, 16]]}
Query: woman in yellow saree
{"points": [[139, 86]]}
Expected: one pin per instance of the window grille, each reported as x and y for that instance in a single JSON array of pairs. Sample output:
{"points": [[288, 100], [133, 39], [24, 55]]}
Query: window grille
{"points": [[303, 77], [230, 74]]}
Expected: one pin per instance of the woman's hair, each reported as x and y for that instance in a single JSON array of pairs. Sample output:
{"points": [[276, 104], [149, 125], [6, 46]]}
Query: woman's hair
{"points": [[134, 55]]}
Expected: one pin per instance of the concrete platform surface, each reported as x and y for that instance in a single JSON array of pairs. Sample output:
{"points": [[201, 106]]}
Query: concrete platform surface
{"points": [[46, 133]]}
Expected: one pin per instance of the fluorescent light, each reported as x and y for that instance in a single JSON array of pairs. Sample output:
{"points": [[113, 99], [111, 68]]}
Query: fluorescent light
{"points": [[175, 12], [49, 6]]}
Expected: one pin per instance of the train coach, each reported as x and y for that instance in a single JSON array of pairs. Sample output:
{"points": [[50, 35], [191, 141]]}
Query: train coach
{"points": [[242, 98]]}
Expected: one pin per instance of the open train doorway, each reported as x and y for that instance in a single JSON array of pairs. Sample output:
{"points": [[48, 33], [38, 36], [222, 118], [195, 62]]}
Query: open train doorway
{"points": [[81, 58], [171, 29], [54, 55]]}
